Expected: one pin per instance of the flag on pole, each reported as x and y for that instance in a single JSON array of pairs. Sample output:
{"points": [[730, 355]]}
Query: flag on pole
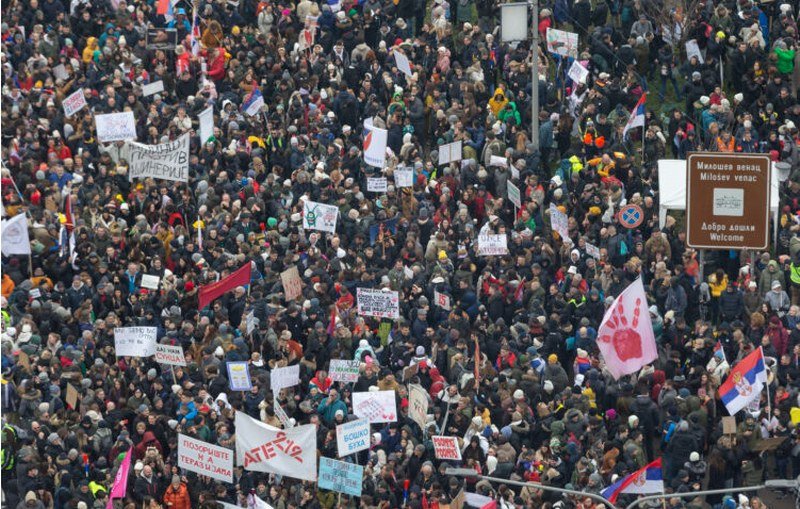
{"points": [[744, 383], [332, 323], [120, 485], [211, 291], [253, 102], [719, 352], [519, 291], [194, 38], [718, 364], [637, 116], [625, 338], [648, 479]]}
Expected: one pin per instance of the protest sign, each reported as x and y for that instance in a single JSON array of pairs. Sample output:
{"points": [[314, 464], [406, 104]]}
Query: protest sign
{"points": [[115, 127], [378, 303], [374, 145], [492, 245], [170, 354], [377, 406], [152, 88], [318, 216], [167, 161], [292, 284], [562, 43], [352, 437], [559, 221], [459, 500], [593, 251], [204, 458], [72, 396], [418, 404], [239, 376], [402, 63], [442, 300], [446, 448], [514, 195], [74, 103], [577, 72], [449, 152], [150, 282], [498, 161], [206, 119], [693, 50], [343, 370], [410, 371], [162, 38], [340, 476], [404, 177], [262, 448], [15, 237], [60, 72], [280, 413], [36, 293], [135, 341], [250, 322], [377, 184], [281, 378]]}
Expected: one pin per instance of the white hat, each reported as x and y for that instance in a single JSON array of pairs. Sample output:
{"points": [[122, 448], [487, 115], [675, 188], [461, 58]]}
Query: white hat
{"points": [[694, 457]]}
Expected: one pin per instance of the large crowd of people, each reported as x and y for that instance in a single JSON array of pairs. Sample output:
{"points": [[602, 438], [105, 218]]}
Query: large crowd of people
{"points": [[504, 346]]}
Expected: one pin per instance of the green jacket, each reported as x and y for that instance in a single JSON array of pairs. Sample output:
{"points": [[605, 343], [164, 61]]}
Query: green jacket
{"points": [[785, 63], [510, 111]]}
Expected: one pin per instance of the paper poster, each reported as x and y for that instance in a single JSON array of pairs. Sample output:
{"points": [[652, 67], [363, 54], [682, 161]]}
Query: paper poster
{"points": [[152, 88], [449, 152], [559, 222], [292, 284], [206, 120], [74, 103], [378, 303], [593, 251], [166, 161], [693, 50], [498, 161], [319, 216], [514, 195], [442, 300], [343, 370], [374, 146], [280, 413], [135, 341], [205, 459], [577, 72], [493, 245], [402, 63], [115, 127], [446, 448], [562, 43], [150, 282], [340, 476], [377, 184], [170, 354], [239, 376], [288, 376], [404, 177], [418, 404], [288, 452], [352, 437], [72, 396], [376, 407]]}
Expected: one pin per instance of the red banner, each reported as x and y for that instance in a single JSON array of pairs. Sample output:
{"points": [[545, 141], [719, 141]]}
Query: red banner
{"points": [[210, 292]]}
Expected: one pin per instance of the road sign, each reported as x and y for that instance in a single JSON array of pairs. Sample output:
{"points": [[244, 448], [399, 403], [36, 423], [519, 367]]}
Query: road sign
{"points": [[717, 188], [631, 216]]}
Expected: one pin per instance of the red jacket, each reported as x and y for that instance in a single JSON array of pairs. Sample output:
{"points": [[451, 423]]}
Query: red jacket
{"points": [[177, 498]]}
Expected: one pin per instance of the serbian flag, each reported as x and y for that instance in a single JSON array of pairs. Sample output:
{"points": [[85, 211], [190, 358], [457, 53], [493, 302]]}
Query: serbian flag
{"points": [[211, 291], [332, 323], [637, 116], [625, 338], [719, 352], [120, 485], [195, 35], [519, 291], [253, 102], [744, 383], [647, 479]]}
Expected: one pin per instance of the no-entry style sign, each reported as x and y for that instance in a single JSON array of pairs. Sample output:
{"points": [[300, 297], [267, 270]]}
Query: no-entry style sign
{"points": [[727, 201], [630, 216]]}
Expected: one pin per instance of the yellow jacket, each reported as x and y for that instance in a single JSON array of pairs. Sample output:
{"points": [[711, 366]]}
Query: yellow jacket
{"points": [[717, 287]]}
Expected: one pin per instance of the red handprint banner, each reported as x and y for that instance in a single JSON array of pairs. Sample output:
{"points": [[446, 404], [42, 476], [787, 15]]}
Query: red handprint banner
{"points": [[626, 339]]}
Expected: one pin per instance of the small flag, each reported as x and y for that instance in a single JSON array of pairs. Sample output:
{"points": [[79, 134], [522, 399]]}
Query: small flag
{"points": [[194, 38], [648, 479], [332, 323], [744, 383], [253, 102], [637, 116], [120, 486]]}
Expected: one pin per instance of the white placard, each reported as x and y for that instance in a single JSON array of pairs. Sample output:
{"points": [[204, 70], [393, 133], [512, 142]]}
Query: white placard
{"points": [[166, 161], [377, 406], [292, 284], [205, 459], [593, 251], [206, 120], [442, 300], [562, 43], [577, 72], [404, 177], [377, 184], [280, 413], [418, 404], [170, 354], [493, 245], [239, 376], [446, 448], [693, 50], [150, 282], [402, 63], [74, 103], [374, 145], [135, 341], [449, 152], [344, 370], [378, 303], [559, 222], [263, 448], [152, 88], [15, 237], [498, 161], [352, 437], [280, 378], [514, 195], [60, 72], [115, 127], [319, 216]]}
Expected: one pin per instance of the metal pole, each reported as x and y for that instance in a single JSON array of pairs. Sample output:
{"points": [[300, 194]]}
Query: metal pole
{"points": [[457, 472], [535, 77]]}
